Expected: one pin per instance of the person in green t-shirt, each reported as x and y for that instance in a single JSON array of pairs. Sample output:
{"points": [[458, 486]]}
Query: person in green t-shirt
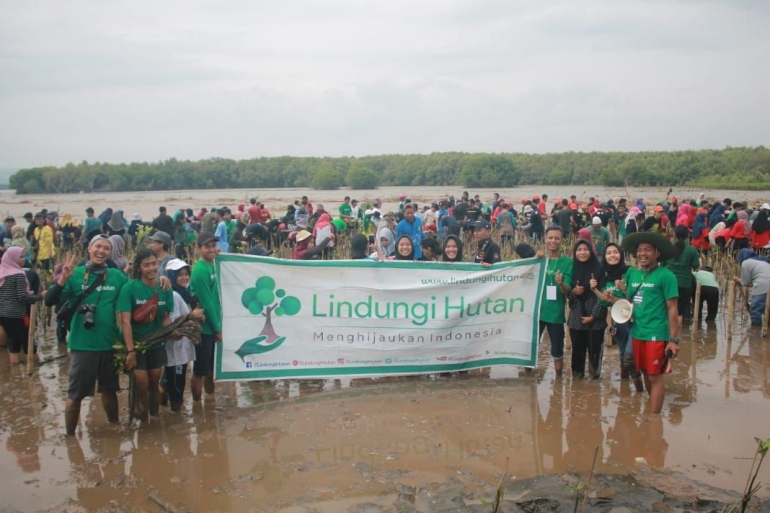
{"points": [[346, 210], [653, 291], [558, 285], [93, 328], [203, 284], [138, 320], [686, 259]]}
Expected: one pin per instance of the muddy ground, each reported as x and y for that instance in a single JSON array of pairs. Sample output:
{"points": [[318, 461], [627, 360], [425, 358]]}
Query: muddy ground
{"points": [[428, 443]]}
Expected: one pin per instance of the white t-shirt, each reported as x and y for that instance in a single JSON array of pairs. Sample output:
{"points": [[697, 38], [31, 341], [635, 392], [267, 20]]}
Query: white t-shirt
{"points": [[182, 351]]}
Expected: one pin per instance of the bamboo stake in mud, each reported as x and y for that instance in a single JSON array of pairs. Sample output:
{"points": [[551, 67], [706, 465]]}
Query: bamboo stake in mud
{"points": [[31, 338], [767, 312], [696, 313], [730, 309]]}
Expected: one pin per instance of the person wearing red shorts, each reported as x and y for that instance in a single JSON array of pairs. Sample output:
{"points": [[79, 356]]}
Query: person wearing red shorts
{"points": [[653, 290]]}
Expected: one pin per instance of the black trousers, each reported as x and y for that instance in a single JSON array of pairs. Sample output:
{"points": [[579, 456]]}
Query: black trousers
{"points": [[709, 295], [591, 341]]}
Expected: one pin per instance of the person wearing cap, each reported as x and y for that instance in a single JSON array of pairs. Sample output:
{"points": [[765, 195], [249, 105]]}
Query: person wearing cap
{"points": [[90, 343], [411, 226], [180, 352], [599, 235], [160, 243], [42, 243], [534, 224], [653, 291], [488, 252], [657, 223], [203, 285]]}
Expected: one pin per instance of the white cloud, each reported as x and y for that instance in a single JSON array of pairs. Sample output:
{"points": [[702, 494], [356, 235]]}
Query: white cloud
{"points": [[149, 81]]}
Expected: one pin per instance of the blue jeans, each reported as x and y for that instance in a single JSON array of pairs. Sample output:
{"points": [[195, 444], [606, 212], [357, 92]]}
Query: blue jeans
{"points": [[623, 338], [757, 309]]}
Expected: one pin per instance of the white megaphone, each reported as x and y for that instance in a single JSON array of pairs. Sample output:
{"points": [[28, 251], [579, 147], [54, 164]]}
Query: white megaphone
{"points": [[622, 311]]}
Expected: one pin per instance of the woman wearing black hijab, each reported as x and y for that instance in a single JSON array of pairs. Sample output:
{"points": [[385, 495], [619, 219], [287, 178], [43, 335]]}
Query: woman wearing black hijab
{"points": [[453, 249], [404, 248], [588, 317], [615, 269]]}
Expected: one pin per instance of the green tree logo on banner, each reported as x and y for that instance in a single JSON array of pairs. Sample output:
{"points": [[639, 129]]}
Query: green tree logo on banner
{"points": [[263, 299]]}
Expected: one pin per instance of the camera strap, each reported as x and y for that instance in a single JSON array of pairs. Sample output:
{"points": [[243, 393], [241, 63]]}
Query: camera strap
{"points": [[98, 281]]}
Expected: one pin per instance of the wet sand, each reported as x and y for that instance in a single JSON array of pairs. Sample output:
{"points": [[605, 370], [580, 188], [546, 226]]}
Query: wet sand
{"points": [[426, 443], [147, 203], [330, 445]]}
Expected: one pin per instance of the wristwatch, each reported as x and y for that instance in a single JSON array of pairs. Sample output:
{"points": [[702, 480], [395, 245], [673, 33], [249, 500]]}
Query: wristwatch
{"points": [[675, 340]]}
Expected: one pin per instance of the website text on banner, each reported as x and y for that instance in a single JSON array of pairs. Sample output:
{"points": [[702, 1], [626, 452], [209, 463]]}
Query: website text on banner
{"points": [[294, 319]]}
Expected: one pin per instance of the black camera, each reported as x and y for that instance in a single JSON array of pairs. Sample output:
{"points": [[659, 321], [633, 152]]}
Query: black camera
{"points": [[88, 315]]}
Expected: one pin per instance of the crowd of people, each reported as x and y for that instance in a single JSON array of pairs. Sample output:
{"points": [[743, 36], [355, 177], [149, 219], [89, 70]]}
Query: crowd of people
{"points": [[172, 274]]}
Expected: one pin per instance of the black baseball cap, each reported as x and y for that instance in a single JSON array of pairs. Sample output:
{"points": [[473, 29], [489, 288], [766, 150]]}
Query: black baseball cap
{"points": [[481, 223], [206, 237], [10, 218]]}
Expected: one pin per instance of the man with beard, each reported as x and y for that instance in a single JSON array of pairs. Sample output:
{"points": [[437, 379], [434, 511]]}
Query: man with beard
{"points": [[94, 289]]}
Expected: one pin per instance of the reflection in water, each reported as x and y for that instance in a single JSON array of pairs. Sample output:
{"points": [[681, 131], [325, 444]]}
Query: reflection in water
{"points": [[279, 442]]}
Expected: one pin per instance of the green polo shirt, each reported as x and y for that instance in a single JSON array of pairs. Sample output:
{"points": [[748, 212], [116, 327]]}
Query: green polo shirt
{"points": [[552, 310]]}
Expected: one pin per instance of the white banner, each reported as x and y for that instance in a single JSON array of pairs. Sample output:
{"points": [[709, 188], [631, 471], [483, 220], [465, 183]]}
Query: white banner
{"points": [[296, 319]]}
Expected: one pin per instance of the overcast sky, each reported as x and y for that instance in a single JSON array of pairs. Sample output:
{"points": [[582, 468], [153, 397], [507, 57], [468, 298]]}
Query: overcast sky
{"points": [[145, 81]]}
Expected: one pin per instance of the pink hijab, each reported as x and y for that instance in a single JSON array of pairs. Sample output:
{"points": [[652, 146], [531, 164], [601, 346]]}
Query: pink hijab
{"points": [[684, 215], [10, 265]]}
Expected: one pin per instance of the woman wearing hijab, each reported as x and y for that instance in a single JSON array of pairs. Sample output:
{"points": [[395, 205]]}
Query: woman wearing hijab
{"points": [[180, 352], [755, 273], [640, 206], [615, 268], [717, 215], [588, 316], [404, 248], [181, 242], [323, 229], [760, 229], [700, 234], [684, 217], [118, 250], [105, 218], [741, 231], [453, 249], [15, 295], [386, 242], [117, 224]]}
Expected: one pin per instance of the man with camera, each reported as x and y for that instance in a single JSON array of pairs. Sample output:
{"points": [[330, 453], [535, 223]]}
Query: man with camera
{"points": [[91, 293]]}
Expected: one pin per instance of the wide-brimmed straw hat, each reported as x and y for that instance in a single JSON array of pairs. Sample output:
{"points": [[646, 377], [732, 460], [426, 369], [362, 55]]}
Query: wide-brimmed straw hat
{"points": [[304, 234], [661, 243]]}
